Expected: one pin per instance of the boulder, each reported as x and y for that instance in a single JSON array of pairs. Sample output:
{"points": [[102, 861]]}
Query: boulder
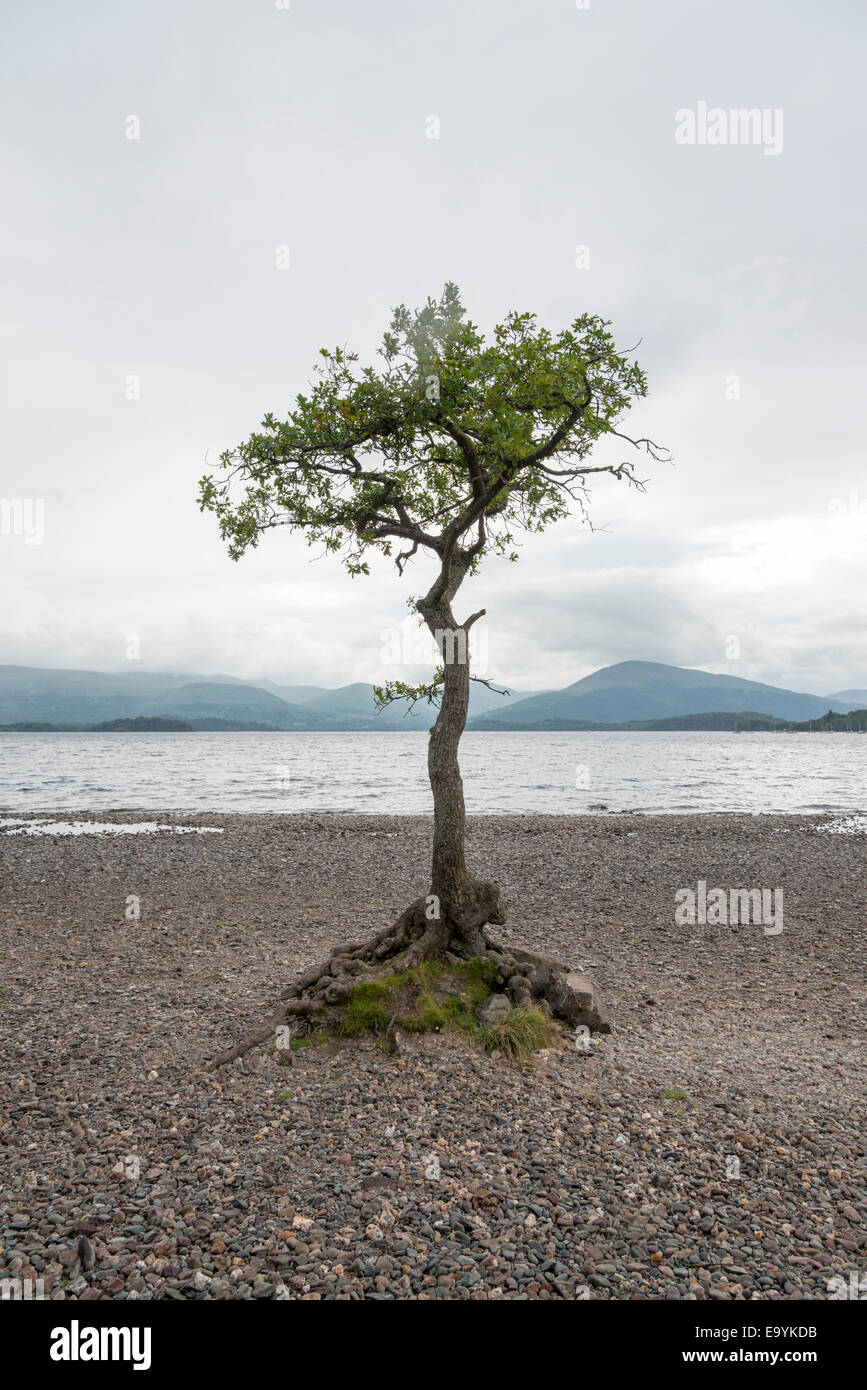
{"points": [[584, 1005], [571, 994]]}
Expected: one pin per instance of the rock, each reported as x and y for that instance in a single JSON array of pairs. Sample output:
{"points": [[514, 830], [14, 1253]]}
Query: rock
{"points": [[587, 1003], [492, 1009]]}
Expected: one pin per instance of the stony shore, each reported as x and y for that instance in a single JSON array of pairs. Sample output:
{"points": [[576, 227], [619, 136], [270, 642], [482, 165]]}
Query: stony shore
{"points": [[712, 1147]]}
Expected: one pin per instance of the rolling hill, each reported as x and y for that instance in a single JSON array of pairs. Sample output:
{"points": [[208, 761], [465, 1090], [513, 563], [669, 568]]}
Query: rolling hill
{"points": [[642, 690], [241, 703], [853, 697], [83, 698], [293, 694], [29, 694], [629, 693]]}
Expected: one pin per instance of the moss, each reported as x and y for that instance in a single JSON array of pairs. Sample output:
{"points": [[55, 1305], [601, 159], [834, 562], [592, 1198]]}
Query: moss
{"points": [[373, 990], [481, 978], [361, 1015], [438, 996], [418, 1000], [675, 1093], [479, 971]]}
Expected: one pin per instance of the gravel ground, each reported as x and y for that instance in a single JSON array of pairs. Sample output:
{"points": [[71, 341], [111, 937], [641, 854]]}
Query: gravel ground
{"points": [[710, 1148]]}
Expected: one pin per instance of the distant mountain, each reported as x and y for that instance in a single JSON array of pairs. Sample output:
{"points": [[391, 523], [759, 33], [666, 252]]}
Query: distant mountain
{"points": [[244, 703], [355, 702], [643, 690], [482, 699], [857, 697], [294, 694], [31, 693], [630, 694], [85, 698]]}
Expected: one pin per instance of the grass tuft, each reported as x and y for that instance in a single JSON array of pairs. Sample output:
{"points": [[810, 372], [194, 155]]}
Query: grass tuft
{"points": [[519, 1034]]}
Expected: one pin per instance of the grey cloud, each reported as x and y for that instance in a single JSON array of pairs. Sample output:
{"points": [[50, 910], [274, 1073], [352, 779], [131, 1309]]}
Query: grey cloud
{"points": [[156, 257]]}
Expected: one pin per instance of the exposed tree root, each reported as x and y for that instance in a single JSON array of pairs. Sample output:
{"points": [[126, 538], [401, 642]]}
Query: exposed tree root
{"points": [[419, 935]]}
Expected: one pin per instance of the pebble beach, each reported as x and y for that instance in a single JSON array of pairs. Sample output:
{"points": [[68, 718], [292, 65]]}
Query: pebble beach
{"points": [[710, 1148]]}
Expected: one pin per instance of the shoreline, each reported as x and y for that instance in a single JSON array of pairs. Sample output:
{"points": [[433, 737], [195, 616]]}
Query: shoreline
{"points": [[601, 1172], [150, 813]]}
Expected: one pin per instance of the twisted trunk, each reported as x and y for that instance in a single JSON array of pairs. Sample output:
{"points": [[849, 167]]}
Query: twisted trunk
{"points": [[459, 905], [453, 915]]}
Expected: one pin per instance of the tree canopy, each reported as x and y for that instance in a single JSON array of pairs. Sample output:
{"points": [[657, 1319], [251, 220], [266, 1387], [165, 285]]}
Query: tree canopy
{"points": [[453, 444]]}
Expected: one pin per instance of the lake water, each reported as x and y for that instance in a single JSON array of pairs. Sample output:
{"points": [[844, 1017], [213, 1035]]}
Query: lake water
{"points": [[504, 773]]}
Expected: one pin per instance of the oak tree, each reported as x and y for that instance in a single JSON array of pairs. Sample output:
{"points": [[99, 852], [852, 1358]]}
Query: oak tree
{"points": [[450, 447]]}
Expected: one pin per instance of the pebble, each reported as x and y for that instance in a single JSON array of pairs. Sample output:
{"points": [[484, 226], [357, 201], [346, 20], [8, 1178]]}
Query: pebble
{"points": [[129, 1171]]}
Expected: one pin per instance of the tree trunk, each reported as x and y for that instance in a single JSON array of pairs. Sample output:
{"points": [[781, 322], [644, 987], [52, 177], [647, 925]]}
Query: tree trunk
{"points": [[459, 905], [454, 914]]}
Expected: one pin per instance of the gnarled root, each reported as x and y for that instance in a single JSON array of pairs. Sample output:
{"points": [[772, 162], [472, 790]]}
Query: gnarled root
{"points": [[328, 984], [568, 994], [428, 928], [458, 925]]}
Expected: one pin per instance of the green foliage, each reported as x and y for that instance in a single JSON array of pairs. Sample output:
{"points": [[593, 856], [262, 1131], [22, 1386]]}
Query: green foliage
{"points": [[480, 975], [35, 727], [396, 690], [451, 434], [855, 722]]}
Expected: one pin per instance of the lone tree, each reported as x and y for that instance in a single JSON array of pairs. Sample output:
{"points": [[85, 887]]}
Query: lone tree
{"points": [[451, 447]]}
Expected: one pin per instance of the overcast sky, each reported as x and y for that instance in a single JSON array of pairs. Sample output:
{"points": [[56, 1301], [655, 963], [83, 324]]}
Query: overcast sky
{"points": [[150, 263]]}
